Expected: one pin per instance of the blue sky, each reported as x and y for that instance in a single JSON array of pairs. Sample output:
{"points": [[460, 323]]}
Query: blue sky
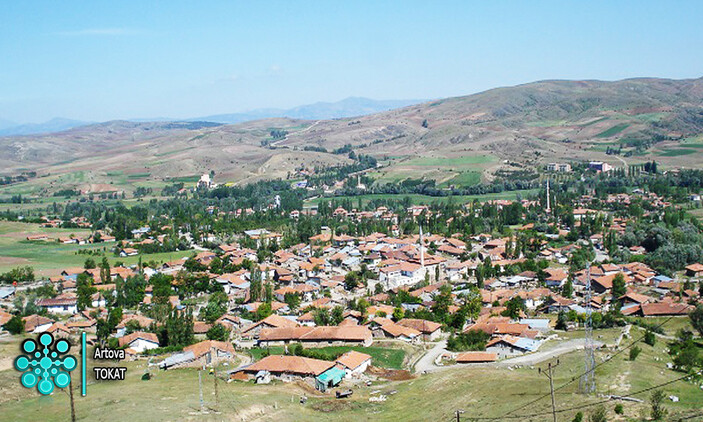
{"points": [[127, 59]]}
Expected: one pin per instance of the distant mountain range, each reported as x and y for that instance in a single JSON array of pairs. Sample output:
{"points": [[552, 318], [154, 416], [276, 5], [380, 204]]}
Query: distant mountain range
{"points": [[57, 124], [348, 107], [495, 133]]}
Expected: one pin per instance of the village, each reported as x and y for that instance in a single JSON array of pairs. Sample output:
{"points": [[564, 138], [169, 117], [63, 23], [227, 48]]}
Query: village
{"points": [[322, 312]]}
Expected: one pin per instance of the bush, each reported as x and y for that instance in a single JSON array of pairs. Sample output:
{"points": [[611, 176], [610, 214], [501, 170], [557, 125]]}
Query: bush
{"points": [[15, 325], [650, 338], [634, 352], [218, 332], [598, 415], [470, 340], [619, 409], [578, 417], [658, 410]]}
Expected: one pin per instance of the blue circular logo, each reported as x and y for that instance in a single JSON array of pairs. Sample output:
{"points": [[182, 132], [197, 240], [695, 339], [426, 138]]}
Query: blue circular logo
{"points": [[43, 365]]}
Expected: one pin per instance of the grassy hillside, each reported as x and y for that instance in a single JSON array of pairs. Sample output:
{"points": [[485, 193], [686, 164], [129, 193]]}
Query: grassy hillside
{"points": [[174, 394], [523, 126]]}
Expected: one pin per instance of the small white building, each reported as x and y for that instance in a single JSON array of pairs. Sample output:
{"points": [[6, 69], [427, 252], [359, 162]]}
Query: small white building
{"points": [[139, 341], [59, 305], [354, 363]]}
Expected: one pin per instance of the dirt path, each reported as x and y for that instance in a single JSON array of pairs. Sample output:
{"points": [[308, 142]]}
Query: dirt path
{"points": [[426, 363]]}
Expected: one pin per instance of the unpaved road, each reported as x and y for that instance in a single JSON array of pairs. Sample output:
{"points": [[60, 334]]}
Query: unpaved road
{"points": [[426, 363]]}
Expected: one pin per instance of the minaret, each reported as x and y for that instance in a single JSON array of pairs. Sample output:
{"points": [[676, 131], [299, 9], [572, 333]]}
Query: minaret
{"points": [[422, 250], [548, 210]]}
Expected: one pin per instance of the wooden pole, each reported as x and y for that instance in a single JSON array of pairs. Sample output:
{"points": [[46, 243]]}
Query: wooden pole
{"points": [[217, 397], [70, 395]]}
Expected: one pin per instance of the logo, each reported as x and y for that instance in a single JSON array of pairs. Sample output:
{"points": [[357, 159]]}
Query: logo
{"points": [[45, 363]]}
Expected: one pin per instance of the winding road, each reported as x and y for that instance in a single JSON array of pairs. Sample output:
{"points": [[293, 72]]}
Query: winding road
{"points": [[426, 364]]}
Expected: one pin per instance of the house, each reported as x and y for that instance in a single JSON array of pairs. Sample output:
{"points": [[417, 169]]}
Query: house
{"points": [[58, 330], [600, 166], [317, 336], [694, 270], [36, 323], [330, 378], [271, 321], [540, 324], [354, 363], [86, 325], [508, 346], [232, 322], [206, 352], [128, 252], [289, 367], [140, 320], [476, 357], [559, 167], [556, 277], [390, 329], [7, 292], [429, 330], [665, 309], [139, 341], [4, 317]]}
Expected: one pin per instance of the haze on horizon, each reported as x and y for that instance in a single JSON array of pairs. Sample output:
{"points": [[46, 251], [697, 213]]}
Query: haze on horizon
{"points": [[119, 60]]}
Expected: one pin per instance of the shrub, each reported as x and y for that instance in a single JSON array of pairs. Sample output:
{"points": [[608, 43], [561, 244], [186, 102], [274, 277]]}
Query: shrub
{"points": [[634, 352], [14, 325], [650, 338], [658, 410], [598, 415], [619, 409]]}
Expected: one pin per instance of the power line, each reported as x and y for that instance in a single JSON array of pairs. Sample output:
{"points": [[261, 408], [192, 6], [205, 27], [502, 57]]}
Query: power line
{"points": [[506, 415], [583, 406], [593, 370], [549, 375]]}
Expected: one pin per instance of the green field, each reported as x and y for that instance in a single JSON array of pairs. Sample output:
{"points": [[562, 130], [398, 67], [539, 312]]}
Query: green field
{"points": [[593, 122], [449, 162], [381, 356], [677, 152], [613, 130], [48, 258], [425, 199], [467, 178], [463, 171]]}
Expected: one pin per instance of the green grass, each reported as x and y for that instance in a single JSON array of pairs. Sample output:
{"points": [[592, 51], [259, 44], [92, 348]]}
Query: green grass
{"points": [[677, 152], [425, 199], [482, 391], [48, 258], [468, 178], [613, 130], [380, 356], [449, 162], [184, 179], [138, 175]]}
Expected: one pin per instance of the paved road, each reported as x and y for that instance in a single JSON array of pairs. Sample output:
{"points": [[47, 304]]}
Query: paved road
{"points": [[426, 363]]}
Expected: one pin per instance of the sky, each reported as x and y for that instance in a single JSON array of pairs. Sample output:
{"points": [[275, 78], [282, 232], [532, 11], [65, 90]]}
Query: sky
{"points": [[105, 60]]}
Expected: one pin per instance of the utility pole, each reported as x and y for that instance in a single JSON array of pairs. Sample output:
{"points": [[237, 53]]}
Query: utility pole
{"points": [[73, 407], [587, 383], [200, 384], [458, 413], [548, 374], [217, 397]]}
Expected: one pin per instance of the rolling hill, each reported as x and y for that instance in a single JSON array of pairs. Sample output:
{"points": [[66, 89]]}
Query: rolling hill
{"points": [[464, 138]]}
